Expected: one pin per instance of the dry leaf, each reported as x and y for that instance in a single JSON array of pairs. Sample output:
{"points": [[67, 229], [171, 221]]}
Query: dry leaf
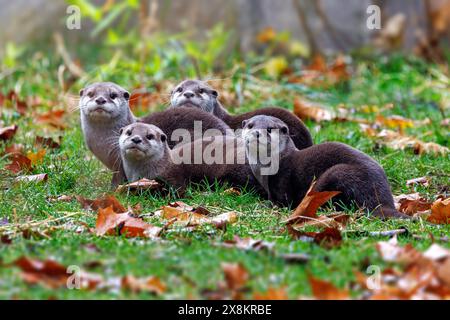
{"points": [[19, 162], [272, 294], [140, 185], [42, 177], [324, 290], [53, 118], [102, 202], [266, 35], [36, 158], [47, 142], [7, 133], [310, 203], [150, 284], [236, 276], [306, 110], [112, 223], [423, 181], [248, 244], [440, 212]]}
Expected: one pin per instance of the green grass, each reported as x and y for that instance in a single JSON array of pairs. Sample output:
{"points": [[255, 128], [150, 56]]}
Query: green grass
{"points": [[189, 262]]}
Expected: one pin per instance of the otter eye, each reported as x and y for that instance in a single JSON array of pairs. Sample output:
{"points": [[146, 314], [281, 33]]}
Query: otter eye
{"points": [[113, 95], [150, 137], [201, 90], [250, 125], [180, 89], [128, 133], [90, 94]]}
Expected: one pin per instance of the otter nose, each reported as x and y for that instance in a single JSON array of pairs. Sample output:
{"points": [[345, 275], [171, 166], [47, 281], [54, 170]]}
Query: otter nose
{"points": [[188, 94], [257, 133], [136, 139], [100, 100]]}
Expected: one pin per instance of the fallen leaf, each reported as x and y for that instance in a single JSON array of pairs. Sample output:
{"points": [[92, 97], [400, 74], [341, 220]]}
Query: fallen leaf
{"points": [[236, 276], [111, 223], [310, 203], [398, 141], [37, 157], [440, 212], [275, 66], [423, 181], [150, 284], [324, 290], [391, 251], [53, 118], [395, 121], [7, 133], [19, 162], [248, 244], [47, 142], [307, 110], [328, 238], [272, 294], [232, 191], [14, 148], [140, 185], [102, 202], [42, 177], [53, 274]]}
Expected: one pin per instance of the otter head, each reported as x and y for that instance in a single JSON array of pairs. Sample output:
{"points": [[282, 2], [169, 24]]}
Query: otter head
{"points": [[194, 93], [104, 101], [265, 138], [142, 142]]}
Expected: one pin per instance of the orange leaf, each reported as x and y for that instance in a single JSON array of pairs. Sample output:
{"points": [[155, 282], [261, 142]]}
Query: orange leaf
{"points": [[324, 290], [151, 284], [440, 212], [311, 202], [37, 157], [272, 294], [307, 110], [19, 162], [236, 276], [102, 202]]}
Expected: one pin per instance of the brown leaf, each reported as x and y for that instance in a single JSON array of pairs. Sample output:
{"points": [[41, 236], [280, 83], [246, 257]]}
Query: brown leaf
{"points": [[47, 142], [334, 220], [102, 202], [306, 110], [140, 185], [391, 251], [248, 244], [53, 118], [7, 133], [52, 274], [14, 148], [324, 290], [236, 276], [272, 294], [19, 162], [440, 212], [328, 238], [112, 223], [150, 284], [310, 203]]}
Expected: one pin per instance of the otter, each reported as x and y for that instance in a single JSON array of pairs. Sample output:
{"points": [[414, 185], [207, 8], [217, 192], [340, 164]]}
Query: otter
{"points": [[196, 93], [336, 166], [104, 109], [146, 154]]}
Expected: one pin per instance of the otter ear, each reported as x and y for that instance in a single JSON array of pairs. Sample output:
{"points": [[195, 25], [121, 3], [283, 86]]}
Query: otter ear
{"points": [[215, 93], [163, 138], [81, 92], [284, 130], [126, 95], [244, 123]]}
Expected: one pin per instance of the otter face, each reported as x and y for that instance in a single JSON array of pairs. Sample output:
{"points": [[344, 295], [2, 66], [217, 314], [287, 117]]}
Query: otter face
{"points": [[264, 134], [194, 93], [140, 141], [103, 101]]}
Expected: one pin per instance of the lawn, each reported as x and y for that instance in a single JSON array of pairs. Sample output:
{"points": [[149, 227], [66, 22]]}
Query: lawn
{"points": [[190, 262]]}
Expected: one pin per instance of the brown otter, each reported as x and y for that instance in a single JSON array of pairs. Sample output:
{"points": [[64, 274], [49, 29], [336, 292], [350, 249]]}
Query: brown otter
{"points": [[104, 109], [336, 166], [146, 154], [195, 93]]}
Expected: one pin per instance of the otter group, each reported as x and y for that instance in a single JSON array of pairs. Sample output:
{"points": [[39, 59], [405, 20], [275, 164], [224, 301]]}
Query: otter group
{"points": [[195, 140]]}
